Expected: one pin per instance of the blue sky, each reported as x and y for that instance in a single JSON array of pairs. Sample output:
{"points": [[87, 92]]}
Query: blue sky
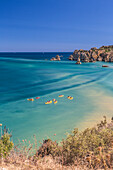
{"points": [[55, 25]]}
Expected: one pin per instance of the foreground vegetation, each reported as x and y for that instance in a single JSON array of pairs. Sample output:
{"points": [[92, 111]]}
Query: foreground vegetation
{"points": [[90, 149]]}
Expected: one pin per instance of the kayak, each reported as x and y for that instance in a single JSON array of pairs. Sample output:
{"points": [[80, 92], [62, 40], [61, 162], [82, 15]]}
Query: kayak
{"points": [[61, 96], [48, 102], [37, 97], [55, 101], [30, 99], [71, 98]]}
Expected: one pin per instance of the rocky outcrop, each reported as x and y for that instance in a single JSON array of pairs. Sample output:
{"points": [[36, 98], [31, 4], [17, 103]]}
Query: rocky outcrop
{"points": [[99, 58], [93, 48], [53, 59], [111, 57], [71, 57], [78, 61], [92, 59], [76, 55], [57, 58], [104, 53], [84, 57], [94, 55]]}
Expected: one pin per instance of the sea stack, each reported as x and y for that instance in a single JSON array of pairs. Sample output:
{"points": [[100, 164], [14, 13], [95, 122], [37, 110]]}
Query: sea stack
{"points": [[57, 58]]}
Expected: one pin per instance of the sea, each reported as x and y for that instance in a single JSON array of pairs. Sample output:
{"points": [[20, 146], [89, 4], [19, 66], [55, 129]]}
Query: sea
{"points": [[31, 75]]}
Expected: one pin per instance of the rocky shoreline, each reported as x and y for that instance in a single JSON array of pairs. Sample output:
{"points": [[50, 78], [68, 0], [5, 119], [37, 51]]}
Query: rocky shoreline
{"points": [[104, 53]]}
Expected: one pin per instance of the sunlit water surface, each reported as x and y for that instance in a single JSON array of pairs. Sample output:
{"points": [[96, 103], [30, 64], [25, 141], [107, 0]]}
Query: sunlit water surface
{"points": [[21, 78]]}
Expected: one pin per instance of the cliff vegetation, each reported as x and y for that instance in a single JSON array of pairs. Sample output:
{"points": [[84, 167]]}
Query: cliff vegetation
{"points": [[89, 149]]}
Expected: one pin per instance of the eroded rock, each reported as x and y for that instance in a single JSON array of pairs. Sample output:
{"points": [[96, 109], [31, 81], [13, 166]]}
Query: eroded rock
{"points": [[104, 53], [57, 58]]}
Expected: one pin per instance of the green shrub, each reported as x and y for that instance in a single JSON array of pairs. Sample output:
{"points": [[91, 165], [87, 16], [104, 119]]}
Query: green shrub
{"points": [[49, 147], [93, 146], [79, 144], [5, 144]]}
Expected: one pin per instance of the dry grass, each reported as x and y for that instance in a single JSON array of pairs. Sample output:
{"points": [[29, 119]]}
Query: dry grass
{"points": [[45, 163]]}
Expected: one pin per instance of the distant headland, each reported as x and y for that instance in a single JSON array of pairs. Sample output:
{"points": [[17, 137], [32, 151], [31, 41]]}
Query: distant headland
{"points": [[104, 53]]}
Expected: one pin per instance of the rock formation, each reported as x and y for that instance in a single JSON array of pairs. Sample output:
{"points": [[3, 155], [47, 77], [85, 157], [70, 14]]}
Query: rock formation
{"points": [[78, 61], [104, 53], [57, 58], [71, 57], [111, 57]]}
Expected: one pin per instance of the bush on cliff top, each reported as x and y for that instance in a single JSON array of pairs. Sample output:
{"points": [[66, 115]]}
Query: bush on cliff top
{"points": [[93, 144], [5, 144]]}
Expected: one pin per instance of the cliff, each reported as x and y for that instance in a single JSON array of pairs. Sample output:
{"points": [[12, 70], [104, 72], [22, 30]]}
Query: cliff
{"points": [[104, 53]]}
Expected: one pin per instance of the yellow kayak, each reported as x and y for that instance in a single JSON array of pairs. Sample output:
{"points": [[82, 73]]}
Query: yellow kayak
{"points": [[55, 101], [30, 99], [71, 98], [48, 102], [61, 96]]}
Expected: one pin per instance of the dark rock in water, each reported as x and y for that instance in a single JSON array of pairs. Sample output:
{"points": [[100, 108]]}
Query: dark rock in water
{"points": [[105, 66]]}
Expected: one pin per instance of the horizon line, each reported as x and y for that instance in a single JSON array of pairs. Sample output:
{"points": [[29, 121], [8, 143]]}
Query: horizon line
{"points": [[36, 52]]}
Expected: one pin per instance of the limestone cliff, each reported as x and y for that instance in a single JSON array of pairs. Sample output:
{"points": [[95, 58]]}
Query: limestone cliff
{"points": [[104, 53]]}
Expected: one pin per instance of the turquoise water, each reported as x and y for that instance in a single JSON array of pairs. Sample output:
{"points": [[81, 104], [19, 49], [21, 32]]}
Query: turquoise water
{"points": [[22, 78]]}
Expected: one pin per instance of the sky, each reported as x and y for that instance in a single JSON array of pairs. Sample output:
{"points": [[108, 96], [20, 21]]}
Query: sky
{"points": [[55, 25]]}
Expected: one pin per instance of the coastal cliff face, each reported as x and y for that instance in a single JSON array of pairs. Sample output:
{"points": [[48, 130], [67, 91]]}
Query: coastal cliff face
{"points": [[104, 53]]}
